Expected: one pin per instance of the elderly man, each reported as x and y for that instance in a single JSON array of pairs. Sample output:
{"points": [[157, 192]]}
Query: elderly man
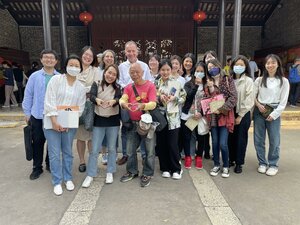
{"points": [[146, 100], [131, 52]]}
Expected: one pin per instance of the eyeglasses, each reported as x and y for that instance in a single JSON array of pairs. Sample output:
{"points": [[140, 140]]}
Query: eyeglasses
{"points": [[49, 57]]}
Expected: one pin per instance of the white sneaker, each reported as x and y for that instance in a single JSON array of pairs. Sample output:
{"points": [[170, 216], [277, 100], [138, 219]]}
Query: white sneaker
{"points": [[87, 182], [15, 105], [109, 178], [58, 190], [177, 176], [272, 171], [215, 171], [5, 106], [225, 172], [69, 185], [262, 169], [166, 174]]}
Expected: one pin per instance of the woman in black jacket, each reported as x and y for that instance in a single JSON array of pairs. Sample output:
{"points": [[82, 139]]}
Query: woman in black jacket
{"points": [[193, 88]]}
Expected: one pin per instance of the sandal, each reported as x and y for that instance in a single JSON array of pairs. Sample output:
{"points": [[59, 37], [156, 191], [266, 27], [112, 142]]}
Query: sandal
{"points": [[82, 168]]}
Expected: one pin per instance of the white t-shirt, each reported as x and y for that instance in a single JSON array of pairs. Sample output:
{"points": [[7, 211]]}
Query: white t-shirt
{"points": [[125, 78]]}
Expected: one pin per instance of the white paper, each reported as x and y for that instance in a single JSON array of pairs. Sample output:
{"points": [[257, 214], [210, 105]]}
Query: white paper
{"points": [[67, 119]]}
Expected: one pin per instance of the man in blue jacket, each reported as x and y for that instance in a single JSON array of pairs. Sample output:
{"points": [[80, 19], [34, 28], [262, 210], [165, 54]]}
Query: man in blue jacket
{"points": [[33, 107]]}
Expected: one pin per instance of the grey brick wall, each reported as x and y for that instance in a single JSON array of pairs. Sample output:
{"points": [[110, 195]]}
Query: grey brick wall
{"points": [[283, 29], [9, 36], [208, 39], [33, 40]]}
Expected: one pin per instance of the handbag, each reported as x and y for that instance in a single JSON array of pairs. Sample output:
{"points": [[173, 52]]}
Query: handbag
{"points": [[157, 116], [267, 112], [87, 117], [15, 86], [203, 126], [28, 142]]}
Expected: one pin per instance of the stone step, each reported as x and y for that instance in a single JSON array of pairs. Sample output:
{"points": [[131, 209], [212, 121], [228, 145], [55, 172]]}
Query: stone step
{"points": [[12, 116], [290, 115], [7, 118]]}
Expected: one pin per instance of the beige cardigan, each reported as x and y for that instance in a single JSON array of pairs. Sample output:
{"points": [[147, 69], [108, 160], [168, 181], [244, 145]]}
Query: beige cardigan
{"points": [[245, 90]]}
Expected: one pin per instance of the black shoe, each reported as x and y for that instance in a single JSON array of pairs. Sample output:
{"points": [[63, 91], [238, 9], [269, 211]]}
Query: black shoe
{"points": [[48, 168], [207, 156], [123, 160], [35, 174], [128, 176], [82, 168], [145, 180], [231, 163], [238, 169]]}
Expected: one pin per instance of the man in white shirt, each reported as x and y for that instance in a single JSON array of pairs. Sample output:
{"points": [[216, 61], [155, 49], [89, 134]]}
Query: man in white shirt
{"points": [[131, 52]]}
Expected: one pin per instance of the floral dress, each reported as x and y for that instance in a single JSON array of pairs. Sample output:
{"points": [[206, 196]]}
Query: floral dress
{"points": [[171, 109]]}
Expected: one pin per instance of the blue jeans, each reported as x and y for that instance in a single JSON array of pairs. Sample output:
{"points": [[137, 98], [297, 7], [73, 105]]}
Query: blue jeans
{"points": [[124, 143], [273, 129], [111, 135], [219, 141], [124, 140], [133, 142], [60, 143]]}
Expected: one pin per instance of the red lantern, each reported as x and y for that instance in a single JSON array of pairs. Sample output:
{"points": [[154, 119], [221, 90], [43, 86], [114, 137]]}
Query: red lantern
{"points": [[85, 17], [199, 16]]}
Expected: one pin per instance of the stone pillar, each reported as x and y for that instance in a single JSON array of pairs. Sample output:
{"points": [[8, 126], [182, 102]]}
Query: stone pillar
{"points": [[236, 28], [46, 24], [63, 31], [221, 32]]}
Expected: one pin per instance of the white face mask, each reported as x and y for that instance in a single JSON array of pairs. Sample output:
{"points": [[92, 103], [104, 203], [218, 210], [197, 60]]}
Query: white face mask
{"points": [[239, 69], [199, 75], [73, 71]]}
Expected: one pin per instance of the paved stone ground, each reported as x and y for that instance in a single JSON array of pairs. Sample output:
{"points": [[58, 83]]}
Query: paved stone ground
{"points": [[247, 198]]}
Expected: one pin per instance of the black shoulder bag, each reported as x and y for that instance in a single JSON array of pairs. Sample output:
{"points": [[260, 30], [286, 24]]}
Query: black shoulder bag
{"points": [[157, 116]]}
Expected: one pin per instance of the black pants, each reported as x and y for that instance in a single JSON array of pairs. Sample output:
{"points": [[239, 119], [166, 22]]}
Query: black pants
{"points": [[167, 149], [203, 141], [238, 140], [2, 94], [203, 144], [38, 143], [185, 138], [20, 91]]}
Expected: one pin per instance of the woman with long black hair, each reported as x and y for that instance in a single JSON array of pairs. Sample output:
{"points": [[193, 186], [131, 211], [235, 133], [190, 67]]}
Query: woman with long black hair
{"points": [[192, 108], [271, 95], [238, 140]]}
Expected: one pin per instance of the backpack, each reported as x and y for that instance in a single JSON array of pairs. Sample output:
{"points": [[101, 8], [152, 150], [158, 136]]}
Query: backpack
{"points": [[294, 77]]}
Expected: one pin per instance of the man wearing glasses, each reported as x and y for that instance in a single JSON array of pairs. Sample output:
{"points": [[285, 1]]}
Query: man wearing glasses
{"points": [[33, 107]]}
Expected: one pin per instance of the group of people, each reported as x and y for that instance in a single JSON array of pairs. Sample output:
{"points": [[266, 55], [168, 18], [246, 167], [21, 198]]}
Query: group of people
{"points": [[178, 90], [12, 83]]}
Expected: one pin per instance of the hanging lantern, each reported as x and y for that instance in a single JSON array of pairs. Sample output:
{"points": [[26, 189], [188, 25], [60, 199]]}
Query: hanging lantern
{"points": [[85, 17], [199, 16]]}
